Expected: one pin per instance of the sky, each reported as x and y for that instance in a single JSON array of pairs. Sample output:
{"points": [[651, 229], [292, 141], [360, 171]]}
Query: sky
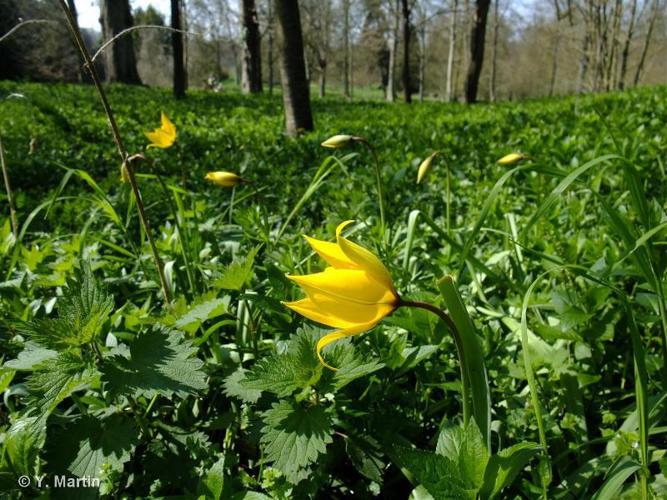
{"points": [[89, 10]]}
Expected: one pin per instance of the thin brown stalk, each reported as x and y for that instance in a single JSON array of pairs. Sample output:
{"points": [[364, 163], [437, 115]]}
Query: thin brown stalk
{"points": [[8, 189], [122, 151]]}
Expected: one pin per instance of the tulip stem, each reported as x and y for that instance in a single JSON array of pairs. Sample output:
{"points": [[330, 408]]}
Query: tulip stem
{"points": [[459, 347], [378, 180], [8, 189], [125, 157]]}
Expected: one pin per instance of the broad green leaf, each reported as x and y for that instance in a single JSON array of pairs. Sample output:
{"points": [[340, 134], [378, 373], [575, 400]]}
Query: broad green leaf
{"points": [[23, 441], [161, 362], [190, 321], [234, 387], [504, 467], [294, 436], [31, 356], [616, 477], [238, 273], [212, 484], [91, 446]]}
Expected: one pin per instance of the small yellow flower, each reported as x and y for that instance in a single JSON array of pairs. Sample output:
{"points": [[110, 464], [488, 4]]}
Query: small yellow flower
{"points": [[124, 174], [512, 158], [337, 141], [353, 295], [224, 179], [164, 136], [425, 166]]}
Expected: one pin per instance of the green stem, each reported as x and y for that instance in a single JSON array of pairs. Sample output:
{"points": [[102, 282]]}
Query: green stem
{"points": [[448, 198], [444, 317], [231, 204], [378, 180], [125, 157], [8, 189]]}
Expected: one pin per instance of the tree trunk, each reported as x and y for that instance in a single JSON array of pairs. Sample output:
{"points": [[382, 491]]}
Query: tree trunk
{"points": [[477, 36], [626, 46], [121, 63], [346, 48], [251, 63], [554, 51], [406, 77], [494, 59], [422, 59], [72, 8], [452, 48], [393, 49], [296, 97], [270, 42], [323, 77], [585, 58], [647, 41], [611, 63], [177, 49]]}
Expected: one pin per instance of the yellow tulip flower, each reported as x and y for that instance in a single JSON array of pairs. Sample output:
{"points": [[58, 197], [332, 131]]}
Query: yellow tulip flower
{"points": [[224, 179], [352, 295], [512, 158], [164, 136], [337, 141], [425, 166]]}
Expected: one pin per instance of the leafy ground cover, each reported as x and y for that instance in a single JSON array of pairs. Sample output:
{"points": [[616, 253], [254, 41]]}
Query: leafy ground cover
{"points": [[560, 261]]}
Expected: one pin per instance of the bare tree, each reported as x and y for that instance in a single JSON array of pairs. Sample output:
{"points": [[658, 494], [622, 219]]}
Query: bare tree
{"points": [[626, 45], [251, 61], [452, 50], [555, 49], [269, 29], [121, 62], [477, 36], [394, 11], [406, 12], [346, 48], [180, 77], [494, 56], [296, 96], [647, 40]]}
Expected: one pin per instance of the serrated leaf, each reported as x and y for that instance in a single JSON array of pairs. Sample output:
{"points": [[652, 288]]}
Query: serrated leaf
{"points": [[190, 321], [56, 379], [91, 446], [234, 387], [31, 356], [161, 361], [505, 465], [293, 437], [238, 273], [438, 474], [211, 485], [22, 442], [283, 374]]}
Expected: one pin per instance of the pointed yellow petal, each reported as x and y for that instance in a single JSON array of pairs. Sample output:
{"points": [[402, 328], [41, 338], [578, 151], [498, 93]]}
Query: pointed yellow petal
{"points": [[331, 253], [340, 334], [167, 126], [307, 308], [362, 257], [351, 285]]}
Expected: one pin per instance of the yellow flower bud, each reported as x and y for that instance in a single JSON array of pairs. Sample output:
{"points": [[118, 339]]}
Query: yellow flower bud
{"points": [[512, 159], [425, 166], [224, 179], [337, 141], [164, 136]]}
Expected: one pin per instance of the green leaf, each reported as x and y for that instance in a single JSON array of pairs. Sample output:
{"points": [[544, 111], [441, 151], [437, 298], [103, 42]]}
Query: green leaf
{"points": [[161, 362], [22, 442], [293, 437], [190, 321], [438, 474], [90, 447], [56, 379], [31, 356], [238, 273], [82, 312], [504, 467], [283, 374], [616, 477], [234, 387], [211, 485]]}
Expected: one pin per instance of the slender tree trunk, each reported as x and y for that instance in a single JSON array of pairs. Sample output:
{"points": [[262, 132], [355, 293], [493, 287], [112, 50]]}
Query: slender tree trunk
{"points": [[296, 96], [616, 30], [72, 8], [584, 61], [406, 77], [393, 49], [452, 51], [121, 62], [477, 36], [177, 49], [494, 59], [346, 48], [626, 45], [186, 50], [422, 59], [647, 41], [251, 63], [270, 42], [554, 51], [323, 77]]}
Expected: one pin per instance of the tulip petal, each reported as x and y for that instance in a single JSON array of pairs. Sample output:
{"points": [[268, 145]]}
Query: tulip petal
{"points": [[340, 334], [331, 253], [349, 285], [362, 257], [167, 126], [306, 307]]}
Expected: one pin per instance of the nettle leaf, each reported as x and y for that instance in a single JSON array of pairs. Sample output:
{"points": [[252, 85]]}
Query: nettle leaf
{"points": [[461, 455], [161, 361], [350, 363], [293, 437], [82, 312], [238, 273], [505, 465], [56, 379], [438, 474], [91, 446], [234, 387], [31, 356], [190, 318], [283, 374], [23, 441]]}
